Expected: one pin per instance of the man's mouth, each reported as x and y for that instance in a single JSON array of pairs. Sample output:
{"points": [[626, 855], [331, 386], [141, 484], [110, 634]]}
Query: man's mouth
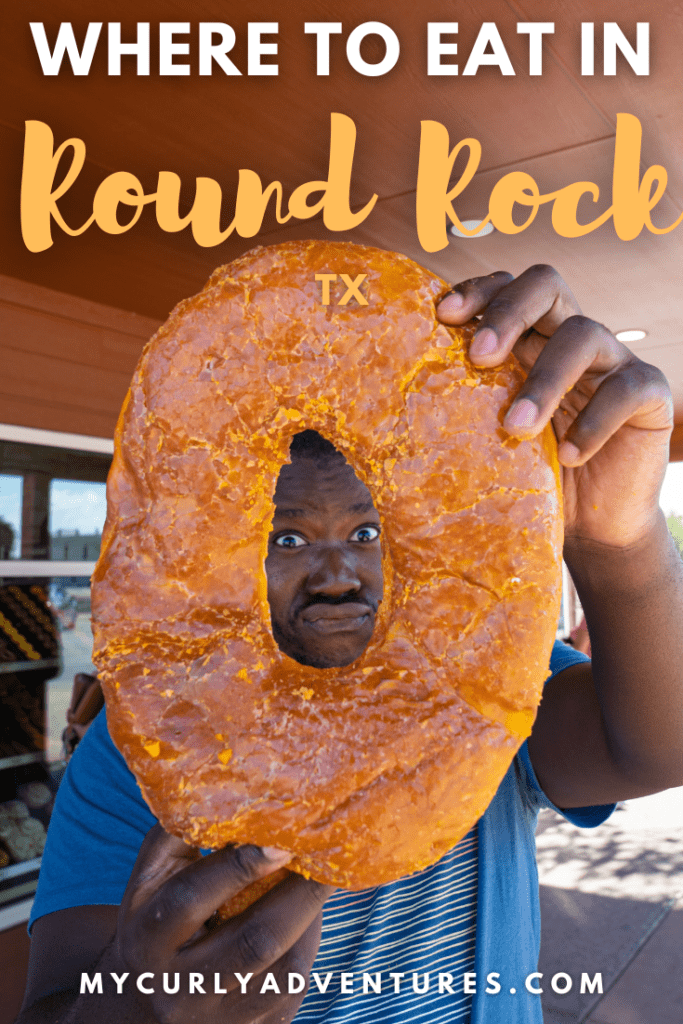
{"points": [[336, 618]]}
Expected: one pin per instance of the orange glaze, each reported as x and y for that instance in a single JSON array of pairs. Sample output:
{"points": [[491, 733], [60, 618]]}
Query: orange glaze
{"points": [[373, 771], [252, 892]]}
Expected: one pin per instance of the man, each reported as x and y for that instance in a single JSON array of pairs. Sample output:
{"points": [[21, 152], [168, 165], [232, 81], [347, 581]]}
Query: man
{"points": [[603, 734], [323, 598]]}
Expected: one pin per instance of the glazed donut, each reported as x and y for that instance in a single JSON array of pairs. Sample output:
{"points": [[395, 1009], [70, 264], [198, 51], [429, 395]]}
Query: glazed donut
{"points": [[373, 771]]}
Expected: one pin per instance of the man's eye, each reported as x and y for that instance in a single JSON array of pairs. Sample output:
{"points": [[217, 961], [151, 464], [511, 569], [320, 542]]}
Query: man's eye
{"points": [[289, 540], [364, 534]]}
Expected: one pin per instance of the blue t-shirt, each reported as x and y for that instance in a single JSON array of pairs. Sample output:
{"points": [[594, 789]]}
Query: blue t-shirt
{"points": [[408, 937]]}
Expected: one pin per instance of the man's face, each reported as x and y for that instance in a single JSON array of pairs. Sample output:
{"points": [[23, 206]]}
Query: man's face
{"points": [[324, 563]]}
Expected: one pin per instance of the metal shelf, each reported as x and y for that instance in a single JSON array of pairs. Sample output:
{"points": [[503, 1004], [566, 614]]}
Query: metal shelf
{"points": [[26, 666], [23, 867], [35, 757]]}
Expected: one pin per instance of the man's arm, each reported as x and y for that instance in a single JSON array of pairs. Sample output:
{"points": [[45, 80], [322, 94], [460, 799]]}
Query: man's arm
{"points": [[161, 928], [612, 730], [79, 935]]}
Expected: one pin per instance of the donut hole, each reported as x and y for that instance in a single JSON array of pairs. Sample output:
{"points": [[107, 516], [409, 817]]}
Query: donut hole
{"points": [[324, 562]]}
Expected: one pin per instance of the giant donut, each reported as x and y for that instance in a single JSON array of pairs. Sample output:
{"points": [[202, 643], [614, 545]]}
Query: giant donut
{"points": [[373, 771]]}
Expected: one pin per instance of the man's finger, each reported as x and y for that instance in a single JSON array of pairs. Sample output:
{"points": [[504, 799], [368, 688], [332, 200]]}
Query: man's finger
{"points": [[637, 394], [257, 1005], [579, 347], [469, 298], [537, 299], [160, 856], [173, 890], [253, 941]]}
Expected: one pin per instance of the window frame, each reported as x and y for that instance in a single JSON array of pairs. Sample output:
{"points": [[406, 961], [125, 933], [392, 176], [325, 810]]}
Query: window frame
{"points": [[27, 568]]}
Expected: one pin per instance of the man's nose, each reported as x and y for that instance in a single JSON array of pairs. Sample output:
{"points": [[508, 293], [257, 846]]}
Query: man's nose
{"points": [[334, 572]]}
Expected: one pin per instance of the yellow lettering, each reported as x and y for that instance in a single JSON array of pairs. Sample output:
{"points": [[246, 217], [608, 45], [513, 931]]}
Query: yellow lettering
{"points": [[168, 203], [205, 215], [38, 197], [116, 189], [515, 187], [433, 201], [335, 201], [326, 280], [252, 201], [353, 290], [632, 198], [565, 205]]}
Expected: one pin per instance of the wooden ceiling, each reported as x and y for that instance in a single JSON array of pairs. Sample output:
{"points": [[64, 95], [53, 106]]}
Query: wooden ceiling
{"points": [[559, 127]]}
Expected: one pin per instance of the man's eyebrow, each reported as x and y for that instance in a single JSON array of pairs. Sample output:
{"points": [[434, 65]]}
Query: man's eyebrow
{"points": [[359, 506], [293, 512]]}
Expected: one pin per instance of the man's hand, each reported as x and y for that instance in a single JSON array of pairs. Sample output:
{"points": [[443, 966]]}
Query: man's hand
{"points": [[614, 729], [172, 893], [612, 413], [165, 925]]}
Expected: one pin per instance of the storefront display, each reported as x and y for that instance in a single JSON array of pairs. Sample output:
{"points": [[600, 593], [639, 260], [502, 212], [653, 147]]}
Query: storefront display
{"points": [[51, 516]]}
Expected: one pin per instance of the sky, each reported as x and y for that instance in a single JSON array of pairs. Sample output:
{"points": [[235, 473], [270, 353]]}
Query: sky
{"points": [[77, 506]]}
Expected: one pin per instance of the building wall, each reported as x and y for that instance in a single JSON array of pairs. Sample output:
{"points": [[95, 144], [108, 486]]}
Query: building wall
{"points": [[67, 362], [75, 547]]}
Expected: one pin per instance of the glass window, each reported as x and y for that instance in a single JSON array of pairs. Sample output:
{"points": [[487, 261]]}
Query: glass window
{"points": [[53, 501], [10, 515], [77, 511], [70, 599], [52, 511]]}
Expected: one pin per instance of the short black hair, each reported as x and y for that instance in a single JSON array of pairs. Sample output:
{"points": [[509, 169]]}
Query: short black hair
{"points": [[309, 444]]}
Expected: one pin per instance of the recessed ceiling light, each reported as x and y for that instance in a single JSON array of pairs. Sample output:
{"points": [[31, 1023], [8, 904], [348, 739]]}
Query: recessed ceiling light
{"points": [[470, 225], [631, 335]]}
